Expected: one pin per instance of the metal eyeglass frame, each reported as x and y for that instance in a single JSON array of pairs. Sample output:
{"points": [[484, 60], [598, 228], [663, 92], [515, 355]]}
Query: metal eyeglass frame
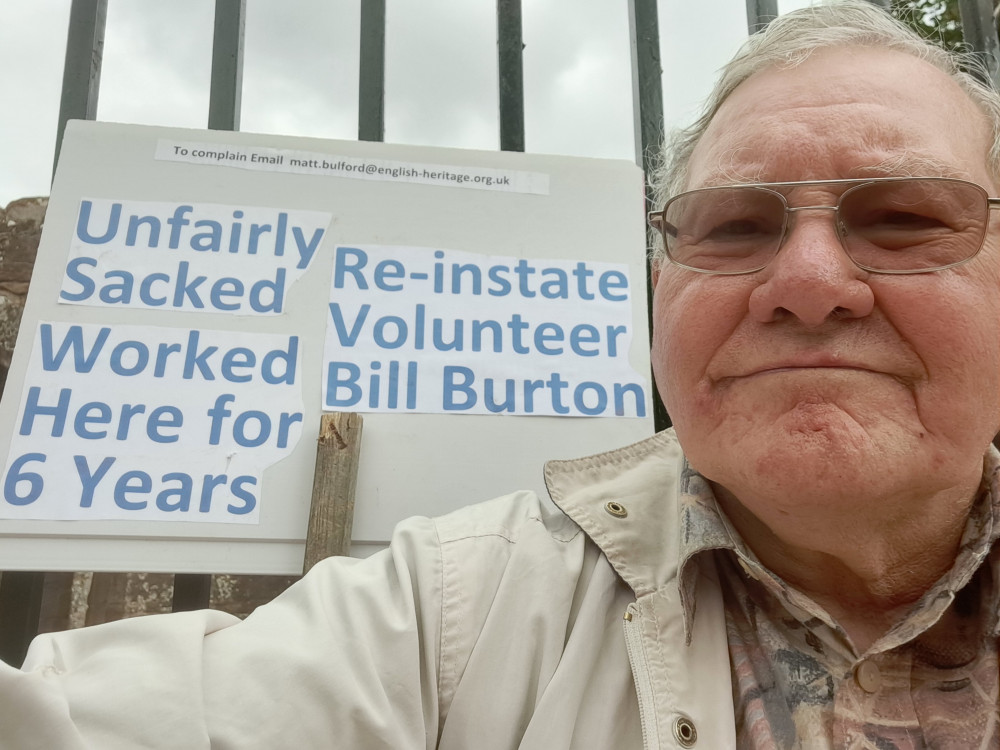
{"points": [[657, 219]]}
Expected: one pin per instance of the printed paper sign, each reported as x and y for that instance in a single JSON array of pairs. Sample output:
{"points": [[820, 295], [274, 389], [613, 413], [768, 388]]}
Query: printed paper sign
{"points": [[265, 159], [200, 298], [198, 257], [130, 422], [427, 330]]}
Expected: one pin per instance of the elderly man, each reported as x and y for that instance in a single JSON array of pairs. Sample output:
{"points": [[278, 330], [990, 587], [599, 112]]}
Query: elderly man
{"points": [[815, 569]]}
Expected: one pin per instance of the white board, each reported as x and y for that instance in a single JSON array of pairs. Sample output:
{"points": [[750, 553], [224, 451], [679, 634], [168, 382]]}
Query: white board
{"points": [[201, 297]]}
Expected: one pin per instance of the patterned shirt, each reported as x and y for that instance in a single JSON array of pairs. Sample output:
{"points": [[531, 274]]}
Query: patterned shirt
{"points": [[930, 682]]}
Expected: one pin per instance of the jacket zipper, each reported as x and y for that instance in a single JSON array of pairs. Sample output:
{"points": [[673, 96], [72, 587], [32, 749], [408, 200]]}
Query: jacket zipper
{"points": [[640, 673]]}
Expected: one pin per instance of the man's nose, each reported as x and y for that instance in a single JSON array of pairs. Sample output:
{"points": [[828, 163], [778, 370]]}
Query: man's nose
{"points": [[811, 278]]}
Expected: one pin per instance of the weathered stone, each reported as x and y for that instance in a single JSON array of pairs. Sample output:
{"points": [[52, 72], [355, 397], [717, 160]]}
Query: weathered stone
{"points": [[241, 595], [20, 231], [25, 212]]}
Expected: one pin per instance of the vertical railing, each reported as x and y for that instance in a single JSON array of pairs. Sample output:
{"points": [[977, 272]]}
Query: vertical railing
{"points": [[227, 65], [23, 593], [760, 13], [647, 117], [510, 46], [979, 27], [20, 607], [82, 69], [371, 72], [194, 590], [979, 31]]}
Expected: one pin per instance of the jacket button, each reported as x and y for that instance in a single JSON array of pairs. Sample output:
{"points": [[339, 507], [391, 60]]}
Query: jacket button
{"points": [[616, 509], [685, 732], [868, 677]]}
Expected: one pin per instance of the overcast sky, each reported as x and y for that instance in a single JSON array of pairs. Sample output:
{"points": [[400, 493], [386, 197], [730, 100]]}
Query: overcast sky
{"points": [[301, 71]]}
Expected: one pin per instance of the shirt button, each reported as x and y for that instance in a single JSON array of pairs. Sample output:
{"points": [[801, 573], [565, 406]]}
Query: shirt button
{"points": [[867, 676]]}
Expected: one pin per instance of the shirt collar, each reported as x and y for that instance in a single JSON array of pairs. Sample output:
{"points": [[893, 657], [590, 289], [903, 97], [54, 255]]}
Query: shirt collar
{"points": [[704, 528]]}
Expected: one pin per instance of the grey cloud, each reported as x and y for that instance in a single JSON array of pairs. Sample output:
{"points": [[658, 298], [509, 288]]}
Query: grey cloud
{"points": [[301, 70]]}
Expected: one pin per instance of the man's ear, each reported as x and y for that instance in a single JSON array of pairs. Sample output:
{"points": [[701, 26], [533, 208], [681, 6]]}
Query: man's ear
{"points": [[655, 266]]}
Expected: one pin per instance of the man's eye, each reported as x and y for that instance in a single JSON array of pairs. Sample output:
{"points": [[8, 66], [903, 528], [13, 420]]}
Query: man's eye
{"points": [[743, 229], [905, 220], [898, 230], [737, 227]]}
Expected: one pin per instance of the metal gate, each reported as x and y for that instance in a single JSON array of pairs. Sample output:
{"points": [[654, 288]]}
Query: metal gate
{"points": [[21, 593]]}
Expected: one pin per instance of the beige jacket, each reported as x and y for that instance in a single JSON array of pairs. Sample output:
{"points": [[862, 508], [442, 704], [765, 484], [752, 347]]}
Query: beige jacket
{"points": [[499, 626]]}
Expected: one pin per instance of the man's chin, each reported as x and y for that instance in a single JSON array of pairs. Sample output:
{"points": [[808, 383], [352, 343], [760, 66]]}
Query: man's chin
{"points": [[813, 450]]}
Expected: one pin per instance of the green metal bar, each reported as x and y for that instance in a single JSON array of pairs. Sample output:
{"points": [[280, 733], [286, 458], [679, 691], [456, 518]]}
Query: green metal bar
{"points": [[20, 607], [191, 591], [371, 77], [82, 69], [979, 32], [21, 593], [510, 46], [227, 65], [647, 98], [760, 13], [647, 88]]}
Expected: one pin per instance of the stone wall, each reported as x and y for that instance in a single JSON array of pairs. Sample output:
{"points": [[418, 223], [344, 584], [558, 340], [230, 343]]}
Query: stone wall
{"points": [[20, 230]]}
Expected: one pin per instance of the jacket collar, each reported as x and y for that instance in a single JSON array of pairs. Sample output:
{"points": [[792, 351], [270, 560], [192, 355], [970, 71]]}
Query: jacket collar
{"points": [[670, 516], [626, 501]]}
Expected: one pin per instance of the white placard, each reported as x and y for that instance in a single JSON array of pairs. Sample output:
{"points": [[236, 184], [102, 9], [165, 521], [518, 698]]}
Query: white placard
{"points": [[414, 329], [188, 256], [173, 292], [153, 424]]}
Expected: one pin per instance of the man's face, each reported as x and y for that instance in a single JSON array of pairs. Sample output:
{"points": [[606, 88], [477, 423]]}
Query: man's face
{"points": [[813, 380]]}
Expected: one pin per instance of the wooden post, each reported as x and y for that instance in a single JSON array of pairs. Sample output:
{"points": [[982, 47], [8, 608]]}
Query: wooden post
{"points": [[331, 515]]}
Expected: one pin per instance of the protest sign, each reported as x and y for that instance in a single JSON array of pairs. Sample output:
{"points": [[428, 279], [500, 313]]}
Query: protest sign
{"points": [[200, 298], [419, 329]]}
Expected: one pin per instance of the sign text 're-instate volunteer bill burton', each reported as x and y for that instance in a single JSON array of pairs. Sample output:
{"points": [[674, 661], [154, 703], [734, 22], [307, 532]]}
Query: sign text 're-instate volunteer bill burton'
{"points": [[432, 330]]}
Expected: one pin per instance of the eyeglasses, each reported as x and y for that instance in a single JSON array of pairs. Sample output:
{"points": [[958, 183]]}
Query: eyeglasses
{"points": [[885, 224]]}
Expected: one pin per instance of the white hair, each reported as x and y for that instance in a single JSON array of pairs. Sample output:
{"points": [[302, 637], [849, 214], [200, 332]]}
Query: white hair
{"points": [[788, 41]]}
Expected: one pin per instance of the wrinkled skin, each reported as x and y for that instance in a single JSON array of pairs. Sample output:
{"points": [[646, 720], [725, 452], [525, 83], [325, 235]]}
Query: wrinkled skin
{"points": [[825, 401]]}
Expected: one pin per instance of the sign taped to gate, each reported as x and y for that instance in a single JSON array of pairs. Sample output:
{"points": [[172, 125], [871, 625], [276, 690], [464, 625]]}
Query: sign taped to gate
{"points": [[190, 319]]}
